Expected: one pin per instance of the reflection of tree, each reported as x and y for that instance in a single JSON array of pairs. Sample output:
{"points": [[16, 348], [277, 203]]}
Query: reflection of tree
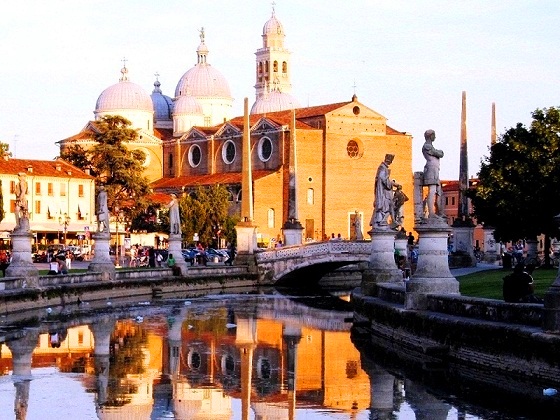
{"points": [[126, 358]]}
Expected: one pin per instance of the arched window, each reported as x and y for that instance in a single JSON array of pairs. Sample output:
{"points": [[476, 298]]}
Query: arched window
{"points": [[275, 66], [266, 66], [170, 160], [270, 218], [284, 67], [310, 196]]}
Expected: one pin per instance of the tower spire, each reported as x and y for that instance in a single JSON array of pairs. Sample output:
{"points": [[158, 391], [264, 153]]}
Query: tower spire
{"points": [[493, 128]]}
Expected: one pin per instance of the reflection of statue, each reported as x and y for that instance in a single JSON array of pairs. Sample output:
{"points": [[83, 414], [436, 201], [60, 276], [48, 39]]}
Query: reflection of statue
{"points": [[174, 218], [383, 204], [21, 201], [102, 211], [431, 175], [358, 226], [399, 199]]}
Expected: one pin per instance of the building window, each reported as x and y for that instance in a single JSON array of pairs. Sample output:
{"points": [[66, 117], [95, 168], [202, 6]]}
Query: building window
{"points": [[37, 207], [270, 218], [38, 188], [80, 190], [310, 196], [275, 66], [228, 152], [265, 149], [284, 67], [446, 201], [50, 189], [170, 160], [353, 149], [62, 190], [12, 206], [12, 187], [452, 201], [195, 155]]}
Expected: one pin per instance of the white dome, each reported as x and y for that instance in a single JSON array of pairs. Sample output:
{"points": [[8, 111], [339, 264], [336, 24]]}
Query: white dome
{"points": [[163, 105], [124, 95], [203, 80], [274, 101], [187, 105]]}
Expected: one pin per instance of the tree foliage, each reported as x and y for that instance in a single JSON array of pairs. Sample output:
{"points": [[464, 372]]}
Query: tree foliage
{"points": [[205, 211], [115, 165], [520, 182]]}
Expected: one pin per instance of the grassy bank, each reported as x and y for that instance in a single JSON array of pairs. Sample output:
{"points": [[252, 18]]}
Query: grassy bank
{"points": [[488, 284]]}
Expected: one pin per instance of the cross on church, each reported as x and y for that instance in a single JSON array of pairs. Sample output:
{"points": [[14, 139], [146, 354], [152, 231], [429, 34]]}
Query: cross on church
{"points": [[124, 60], [157, 75], [354, 86]]}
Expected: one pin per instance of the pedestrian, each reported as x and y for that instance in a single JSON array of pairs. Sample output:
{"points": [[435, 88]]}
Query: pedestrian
{"points": [[62, 268], [519, 286], [159, 259]]}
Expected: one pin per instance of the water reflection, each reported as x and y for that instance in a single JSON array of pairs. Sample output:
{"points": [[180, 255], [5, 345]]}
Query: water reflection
{"points": [[265, 356]]}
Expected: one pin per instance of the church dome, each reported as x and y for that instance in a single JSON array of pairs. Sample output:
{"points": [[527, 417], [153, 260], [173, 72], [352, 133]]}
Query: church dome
{"points": [[203, 80], [273, 26], [163, 105], [124, 95], [187, 104], [274, 101]]}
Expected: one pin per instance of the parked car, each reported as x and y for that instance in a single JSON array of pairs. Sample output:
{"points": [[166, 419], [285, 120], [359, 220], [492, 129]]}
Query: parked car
{"points": [[193, 255], [217, 255]]}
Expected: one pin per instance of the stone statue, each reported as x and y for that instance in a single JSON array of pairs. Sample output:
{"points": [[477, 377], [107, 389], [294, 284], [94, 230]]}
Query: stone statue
{"points": [[358, 227], [174, 217], [383, 203], [102, 211], [434, 209], [21, 210], [399, 198]]}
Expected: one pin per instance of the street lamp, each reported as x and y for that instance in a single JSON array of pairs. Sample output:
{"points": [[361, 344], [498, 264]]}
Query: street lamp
{"points": [[64, 221]]}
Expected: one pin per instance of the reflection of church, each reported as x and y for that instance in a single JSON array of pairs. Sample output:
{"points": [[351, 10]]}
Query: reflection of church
{"points": [[193, 139]]}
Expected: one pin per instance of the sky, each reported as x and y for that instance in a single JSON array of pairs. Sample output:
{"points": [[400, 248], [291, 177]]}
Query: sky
{"points": [[409, 60]]}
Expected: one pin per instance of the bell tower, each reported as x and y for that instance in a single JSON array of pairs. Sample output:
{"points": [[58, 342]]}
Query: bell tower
{"points": [[273, 66]]}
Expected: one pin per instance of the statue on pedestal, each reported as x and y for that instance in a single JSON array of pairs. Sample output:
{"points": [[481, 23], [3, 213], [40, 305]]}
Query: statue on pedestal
{"points": [[384, 195], [21, 210], [432, 205], [102, 211], [174, 216]]}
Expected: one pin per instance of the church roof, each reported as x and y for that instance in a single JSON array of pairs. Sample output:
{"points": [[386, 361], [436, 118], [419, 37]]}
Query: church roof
{"points": [[274, 101], [206, 179], [31, 167]]}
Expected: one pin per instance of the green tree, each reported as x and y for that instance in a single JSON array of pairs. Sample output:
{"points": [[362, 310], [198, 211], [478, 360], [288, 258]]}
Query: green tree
{"points": [[116, 166], [520, 182], [205, 211]]}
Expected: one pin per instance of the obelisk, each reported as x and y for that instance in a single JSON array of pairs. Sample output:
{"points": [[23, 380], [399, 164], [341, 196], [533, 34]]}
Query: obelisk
{"points": [[246, 230], [463, 226], [292, 228]]}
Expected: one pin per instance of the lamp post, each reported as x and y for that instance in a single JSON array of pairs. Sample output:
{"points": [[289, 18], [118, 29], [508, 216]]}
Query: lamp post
{"points": [[64, 221], [119, 218]]}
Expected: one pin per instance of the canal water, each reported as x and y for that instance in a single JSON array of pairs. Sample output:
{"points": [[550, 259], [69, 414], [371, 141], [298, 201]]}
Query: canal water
{"points": [[265, 356]]}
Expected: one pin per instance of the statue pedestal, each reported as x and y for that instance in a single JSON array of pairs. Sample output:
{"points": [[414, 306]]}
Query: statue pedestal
{"points": [[22, 262], [246, 244], [432, 273], [463, 239], [174, 248], [101, 262], [292, 232], [382, 267]]}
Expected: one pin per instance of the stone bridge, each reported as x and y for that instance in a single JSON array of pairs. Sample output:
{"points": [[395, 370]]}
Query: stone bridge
{"points": [[309, 261]]}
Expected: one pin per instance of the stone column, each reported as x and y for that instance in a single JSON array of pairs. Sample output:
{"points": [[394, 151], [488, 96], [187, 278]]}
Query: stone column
{"points": [[246, 230], [432, 273], [382, 267], [175, 246], [492, 249], [101, 262]]}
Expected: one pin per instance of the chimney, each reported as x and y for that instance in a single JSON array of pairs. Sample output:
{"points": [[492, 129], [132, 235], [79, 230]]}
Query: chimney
{"points": [[58, 166], [30, 169]]}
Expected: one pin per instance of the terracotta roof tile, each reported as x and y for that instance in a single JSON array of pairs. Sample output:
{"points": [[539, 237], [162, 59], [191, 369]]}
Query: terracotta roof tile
{"points": [[42, 168], [193, 180]]}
